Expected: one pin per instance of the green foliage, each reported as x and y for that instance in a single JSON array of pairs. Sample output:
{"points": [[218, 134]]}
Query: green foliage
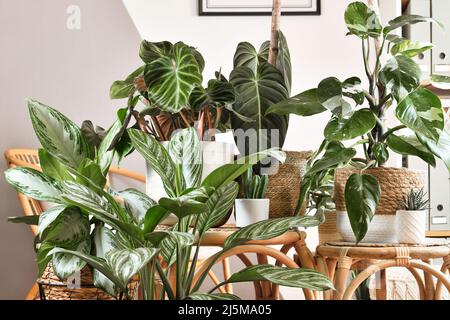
{"points": [[416, 200], [254, 186]]}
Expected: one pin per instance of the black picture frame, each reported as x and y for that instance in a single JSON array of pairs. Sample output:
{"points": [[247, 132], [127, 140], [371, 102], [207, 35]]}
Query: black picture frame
{"points": [[317, 12]]}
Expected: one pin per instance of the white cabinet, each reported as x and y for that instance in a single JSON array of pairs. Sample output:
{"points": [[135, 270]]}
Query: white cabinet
{"points": [[440, 10]]}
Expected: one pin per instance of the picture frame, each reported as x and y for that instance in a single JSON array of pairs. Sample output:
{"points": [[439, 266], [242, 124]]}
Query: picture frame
{"points": [[257, 8]]}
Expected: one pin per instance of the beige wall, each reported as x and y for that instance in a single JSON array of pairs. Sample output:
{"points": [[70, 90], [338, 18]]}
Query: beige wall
{"points": [[70, 70]]}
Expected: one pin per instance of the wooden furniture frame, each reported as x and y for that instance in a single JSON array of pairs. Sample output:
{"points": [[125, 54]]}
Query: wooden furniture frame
{"points": [[337, 259]]}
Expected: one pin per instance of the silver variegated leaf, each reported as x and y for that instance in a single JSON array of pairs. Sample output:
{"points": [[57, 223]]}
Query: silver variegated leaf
{"points": [[137, 203], [269, 229], [219, 204], [65, 265], [105, 155], [49, 216], [186, 152], [126, 263], [70, 229], [57, 134], [33, 184], [173, 240], [212, 296], [288, 277], [158, 158]]}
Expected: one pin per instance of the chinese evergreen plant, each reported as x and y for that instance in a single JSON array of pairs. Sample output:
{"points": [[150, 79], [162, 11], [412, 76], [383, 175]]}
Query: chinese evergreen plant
{"points": [[358, 116]]}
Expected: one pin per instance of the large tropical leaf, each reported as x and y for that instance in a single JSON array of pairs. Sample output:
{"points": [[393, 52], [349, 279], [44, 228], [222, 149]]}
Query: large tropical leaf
{"points": [[29, 220], [362, 21], [362, 193], [219, 205], [330, 94], [33, 184], [269, 229], [186, 153], [289, 277], [123, 89], [105, 155], [401, 75], [70, 229], [218, 93], [52, 167], [57, 134], [172, 241], [137, 203], [247, 56], [153, 217], [421, 111], [151, 51], [358, 124], [404, 20], [331, 159], [211, 296], [229, 172], [182, 206], [410, 49], [255, 93], [441, 148], [65, 265], [92, 171], [284, 64], [171, 78], [304, 104], [157, 157], [49, 216], [104, 242], [410, 145]]}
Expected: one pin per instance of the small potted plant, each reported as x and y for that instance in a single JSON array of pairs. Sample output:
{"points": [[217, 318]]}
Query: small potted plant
{"points": [[411, 221], [253, 207]]}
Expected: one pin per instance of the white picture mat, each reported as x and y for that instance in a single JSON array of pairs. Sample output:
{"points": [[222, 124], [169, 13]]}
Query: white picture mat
{"points": [[257, 5]]}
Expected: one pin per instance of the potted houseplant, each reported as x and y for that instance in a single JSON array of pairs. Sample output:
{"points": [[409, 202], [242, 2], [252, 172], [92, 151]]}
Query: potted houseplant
{"points": [[364, 185], [253, 207], [411, 220], [126, 240], [67, 151]]}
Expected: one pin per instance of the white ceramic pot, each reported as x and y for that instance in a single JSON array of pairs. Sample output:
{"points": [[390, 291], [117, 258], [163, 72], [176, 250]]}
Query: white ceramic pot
{"points": [[382, 229], [215, 155], [249, 211], [411, 226]]}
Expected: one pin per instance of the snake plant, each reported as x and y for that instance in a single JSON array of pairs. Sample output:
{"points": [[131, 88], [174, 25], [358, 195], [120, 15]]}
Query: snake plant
{"points": [[416, 200]]}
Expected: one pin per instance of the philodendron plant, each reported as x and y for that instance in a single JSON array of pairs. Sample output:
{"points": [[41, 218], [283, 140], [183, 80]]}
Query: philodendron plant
{"points": [[124, 239], [359, 113], [65, 157]]}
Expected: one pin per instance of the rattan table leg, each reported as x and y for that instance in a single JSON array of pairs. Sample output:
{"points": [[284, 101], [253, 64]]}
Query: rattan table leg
{"points": [[343, 268], [381, 292], [429, 283], [331, 263], [419, 281], [323, 268], [444, 269], [227, 274]]}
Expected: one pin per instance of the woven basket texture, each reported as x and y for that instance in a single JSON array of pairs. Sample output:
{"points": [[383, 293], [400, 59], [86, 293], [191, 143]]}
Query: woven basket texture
{"points": [[395, 183], [284, 186], [52, 288]]}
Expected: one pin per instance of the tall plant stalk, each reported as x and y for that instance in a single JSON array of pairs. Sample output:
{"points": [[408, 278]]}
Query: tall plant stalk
{"points": [[274, 38]]}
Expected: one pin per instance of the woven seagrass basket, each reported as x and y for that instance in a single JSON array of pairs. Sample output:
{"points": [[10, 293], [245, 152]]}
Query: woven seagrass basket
{"points": [[284, 185], [327, 230], [395, 183], [52, 288]]}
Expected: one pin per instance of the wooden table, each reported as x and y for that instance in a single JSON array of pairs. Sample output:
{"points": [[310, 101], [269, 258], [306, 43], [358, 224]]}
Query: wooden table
{"points": [[336, 259], [263, 250]]}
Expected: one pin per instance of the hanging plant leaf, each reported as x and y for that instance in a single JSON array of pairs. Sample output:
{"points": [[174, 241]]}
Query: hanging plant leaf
{"points": [[170, 79], [255, 93], [362, 194], [362, 21], [358, 124], [410, 145], [401, 75], [33, 184], [421, 111], [57, 134]]}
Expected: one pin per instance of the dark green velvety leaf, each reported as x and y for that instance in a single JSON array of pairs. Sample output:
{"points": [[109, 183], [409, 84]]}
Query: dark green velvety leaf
{"points": [[218, 93], [360, 122], [150, 51], [362, 194], [410, 145], [246, 55], [362, 21], [122, 89]]}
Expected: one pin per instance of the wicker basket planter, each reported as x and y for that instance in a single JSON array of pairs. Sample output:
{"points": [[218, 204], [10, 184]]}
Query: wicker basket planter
{"points": [[327, 230], [395, 183], [284, 184], [52, 288]]}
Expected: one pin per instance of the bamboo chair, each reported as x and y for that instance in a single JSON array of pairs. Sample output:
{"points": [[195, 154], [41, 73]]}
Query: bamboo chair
{"points": [[29, 158]]}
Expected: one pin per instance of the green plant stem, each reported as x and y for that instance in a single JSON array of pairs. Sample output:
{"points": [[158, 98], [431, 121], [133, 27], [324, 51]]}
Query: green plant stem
{"points": [[366, 67], [391, 131], [164, 280], [179, 267]]}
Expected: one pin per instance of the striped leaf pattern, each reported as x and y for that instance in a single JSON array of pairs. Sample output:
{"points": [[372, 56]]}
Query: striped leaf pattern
{"points": [[157, 156], [137, 204], [212, 296], [219, 204], [71, 229], [173, 240], [33, 184], [64, 265], [269, 229], [171, 78], [186, 152], [49, 216], [57, 134], [105, 155], [247, 56], [126, 263], [296, 278]]}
